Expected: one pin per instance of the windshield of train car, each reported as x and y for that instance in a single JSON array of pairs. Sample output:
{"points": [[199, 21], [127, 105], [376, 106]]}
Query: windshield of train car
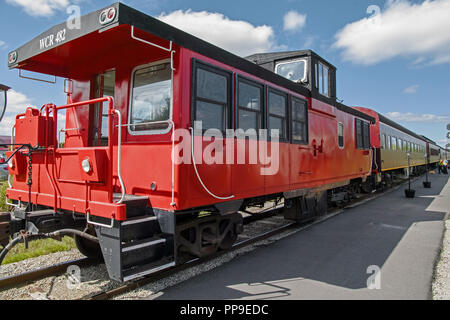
{"points": [[292, 70], [151, 96]]}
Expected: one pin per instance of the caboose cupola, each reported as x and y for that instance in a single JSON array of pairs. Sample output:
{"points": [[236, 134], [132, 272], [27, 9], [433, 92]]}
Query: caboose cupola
{"points": [[304, 67]]}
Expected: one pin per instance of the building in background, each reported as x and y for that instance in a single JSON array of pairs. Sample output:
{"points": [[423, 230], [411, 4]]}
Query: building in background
{"points": [[4, 139]]}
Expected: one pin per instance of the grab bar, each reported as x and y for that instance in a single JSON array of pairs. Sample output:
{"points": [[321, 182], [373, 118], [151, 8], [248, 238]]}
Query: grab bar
{"points": [[119, 156], [110, 226]]}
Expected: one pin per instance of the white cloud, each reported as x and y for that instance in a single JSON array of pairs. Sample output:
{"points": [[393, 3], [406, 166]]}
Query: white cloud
{"points": [[237, 36], [40, 7], [17, 103], [402, 29], [2, 44], [411, 117], [294, 20], [411, 89]]}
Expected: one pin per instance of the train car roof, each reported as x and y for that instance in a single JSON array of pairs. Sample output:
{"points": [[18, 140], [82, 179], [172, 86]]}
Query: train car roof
{"points": [[397, 126], [262, 58], [29, 56]]}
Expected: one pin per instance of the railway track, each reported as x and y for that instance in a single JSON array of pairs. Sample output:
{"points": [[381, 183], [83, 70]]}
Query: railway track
{"points": [[55, 270], [61, 268]]}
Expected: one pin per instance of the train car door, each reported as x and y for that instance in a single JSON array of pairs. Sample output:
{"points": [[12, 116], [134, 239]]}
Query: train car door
{"points": [[301, 154], [104, 86]]}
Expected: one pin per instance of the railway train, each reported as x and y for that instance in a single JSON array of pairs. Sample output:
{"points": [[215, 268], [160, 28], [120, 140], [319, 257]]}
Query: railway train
{"points": [[167, 138]]}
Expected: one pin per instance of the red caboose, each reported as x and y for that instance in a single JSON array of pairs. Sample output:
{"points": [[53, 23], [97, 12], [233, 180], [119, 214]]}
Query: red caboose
{"points": [[168, 137]]}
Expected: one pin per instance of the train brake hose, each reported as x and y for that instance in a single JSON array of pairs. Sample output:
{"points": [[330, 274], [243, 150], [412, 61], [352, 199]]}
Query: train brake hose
{"points": [[52, 235]]}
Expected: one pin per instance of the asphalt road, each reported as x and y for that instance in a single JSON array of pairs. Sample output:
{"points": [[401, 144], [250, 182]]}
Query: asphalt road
{"points": [[330, 260]]}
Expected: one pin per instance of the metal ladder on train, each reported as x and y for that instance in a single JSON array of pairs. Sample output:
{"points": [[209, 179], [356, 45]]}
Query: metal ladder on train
{"points": [[139, 246]]}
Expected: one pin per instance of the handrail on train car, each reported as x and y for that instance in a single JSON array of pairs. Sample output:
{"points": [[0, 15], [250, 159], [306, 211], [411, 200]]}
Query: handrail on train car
{"points": [[111, 112]]}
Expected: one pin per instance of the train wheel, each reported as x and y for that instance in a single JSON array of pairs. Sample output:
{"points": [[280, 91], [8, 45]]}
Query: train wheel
{"points": [[89, 248], [228, 230]]}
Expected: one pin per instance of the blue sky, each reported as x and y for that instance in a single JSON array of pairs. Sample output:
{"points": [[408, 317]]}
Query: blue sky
{"points": [[394, 57]]}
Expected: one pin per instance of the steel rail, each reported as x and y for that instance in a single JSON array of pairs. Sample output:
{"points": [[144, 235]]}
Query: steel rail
{"points": [[55, 270]]}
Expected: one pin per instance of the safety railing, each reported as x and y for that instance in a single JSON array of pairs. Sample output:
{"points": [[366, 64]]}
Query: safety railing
{"points": [[111, 112]]}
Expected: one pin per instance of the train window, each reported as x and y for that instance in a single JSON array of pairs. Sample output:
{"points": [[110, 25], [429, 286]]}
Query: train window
{"points": [[104, 87], [277, 112], [394, 143], [316, 72], [359, 139], [294, 70], [340, 133], [383, 141], [322, 79], [400, 144], [362, 134], [299, 126], [211, 98], [250, 105], [366, 135], [151, 98], [389, 142]]}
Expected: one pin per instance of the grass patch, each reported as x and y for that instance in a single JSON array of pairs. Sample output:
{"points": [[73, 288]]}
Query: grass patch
{"points": [[35, 248], [38, 248], [3, 186]]}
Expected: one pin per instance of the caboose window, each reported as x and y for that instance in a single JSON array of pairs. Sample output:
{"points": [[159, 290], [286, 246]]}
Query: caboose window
{"points": [[277, 114], [322, 79], [151, 98], [250, 103], [362, 134], [299, 131], [294, 70], [340, 133], [104, 87], [211, 96]]}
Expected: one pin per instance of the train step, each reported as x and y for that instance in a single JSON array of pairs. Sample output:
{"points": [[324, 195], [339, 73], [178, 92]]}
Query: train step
{"points": [[136, 205], [145, 270], [138, 246], [132, 200]]}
